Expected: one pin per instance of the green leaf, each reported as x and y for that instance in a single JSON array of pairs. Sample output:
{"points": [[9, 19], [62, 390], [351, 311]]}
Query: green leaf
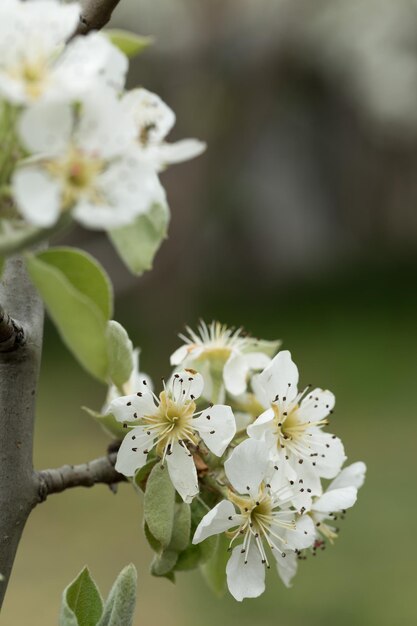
{"points": [[138, 243], [78, 299], [129, 43], [108, 422], [142, 475], [119, 608], [214, 570], [164, 564], [82, 604], [120, 353], [180, 537], [159, 505], [84, 273]]}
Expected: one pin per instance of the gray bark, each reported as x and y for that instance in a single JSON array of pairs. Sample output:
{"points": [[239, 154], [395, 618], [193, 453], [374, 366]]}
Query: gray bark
{"points": [[95, 14], [19, 370]]}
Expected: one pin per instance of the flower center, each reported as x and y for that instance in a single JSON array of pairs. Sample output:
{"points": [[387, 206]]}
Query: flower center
{"points": [[78, 173], [33, 72], [171, 422]]}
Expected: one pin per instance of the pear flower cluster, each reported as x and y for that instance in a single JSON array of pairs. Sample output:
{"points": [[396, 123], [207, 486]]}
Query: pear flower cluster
{"points": [[280, 481], [85, 145]]}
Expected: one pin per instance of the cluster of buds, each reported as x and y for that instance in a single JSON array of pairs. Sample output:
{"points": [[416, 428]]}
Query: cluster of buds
{"points": [[267, 474]]}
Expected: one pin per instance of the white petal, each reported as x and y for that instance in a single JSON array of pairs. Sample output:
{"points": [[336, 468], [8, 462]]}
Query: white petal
{"points": [[152, 116], [260, 393], [257, 360], [103, 129], [134, 450], [286, 566], [179, 355], [133, 407], [186, 384], [246, 467], [102, 216], [245, 580], [217, 427], [219, 519], [164, 154], [304, 534], [234, 374], [46, 127], [182, 472], [316, 405], [91, 59], [351, 476], [37, 195], [336, 500], [330, 454], [280, 378], [130, 186], [263, 426]]}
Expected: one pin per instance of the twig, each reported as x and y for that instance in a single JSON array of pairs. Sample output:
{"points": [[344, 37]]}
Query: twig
{"points": [[95, 14], [85, 475]]}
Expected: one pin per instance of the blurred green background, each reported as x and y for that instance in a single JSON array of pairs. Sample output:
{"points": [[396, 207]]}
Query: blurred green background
{"points": [[300, 222]]}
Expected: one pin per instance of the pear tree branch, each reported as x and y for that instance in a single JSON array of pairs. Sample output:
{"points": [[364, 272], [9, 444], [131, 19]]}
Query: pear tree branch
{"points": [[95, 14], [98, 471]]}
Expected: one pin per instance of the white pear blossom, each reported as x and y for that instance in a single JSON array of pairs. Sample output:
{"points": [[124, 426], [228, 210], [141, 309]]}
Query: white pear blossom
{"points": [[130, 386], [264, 522], [85, 162], [221, 352], [292, 426], [35, 63], [154, 120], [340, 495], [171, 425]]}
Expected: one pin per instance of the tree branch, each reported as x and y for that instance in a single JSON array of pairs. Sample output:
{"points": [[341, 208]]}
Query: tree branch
{"points": [[95, 14], [11, 333], [85, 475], [19, 370]]}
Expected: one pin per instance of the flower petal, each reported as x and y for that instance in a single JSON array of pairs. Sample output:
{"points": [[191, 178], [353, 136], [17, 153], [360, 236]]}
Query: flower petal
{"points": [[316, 405], [246, 467], [245, 580], [257, 360], [336, 500], [179, 355], [286, 566], [217, 427], [153, 118], [133, 451], [182, 472], [351, 476], [330, 453], [222, 517], [46, 127], [235, 373], [304, 534], [262, 428], [280, 378], [186, 384], [37, 195], [164, 154], [133, 407]]}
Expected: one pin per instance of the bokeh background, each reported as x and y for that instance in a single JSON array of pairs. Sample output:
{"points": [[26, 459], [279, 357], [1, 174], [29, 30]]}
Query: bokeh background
{"points": [[300, 222]]}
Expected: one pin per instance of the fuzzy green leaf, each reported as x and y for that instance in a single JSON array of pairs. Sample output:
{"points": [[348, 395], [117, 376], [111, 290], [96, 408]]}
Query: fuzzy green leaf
{"points": [[159, 505], [108, 422], [78, 299], [120, 353], [82, 604], [138, 243], [142, 475], [164, 563], [129, 43], [182, 525], [119, 607], [214, 570]]}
